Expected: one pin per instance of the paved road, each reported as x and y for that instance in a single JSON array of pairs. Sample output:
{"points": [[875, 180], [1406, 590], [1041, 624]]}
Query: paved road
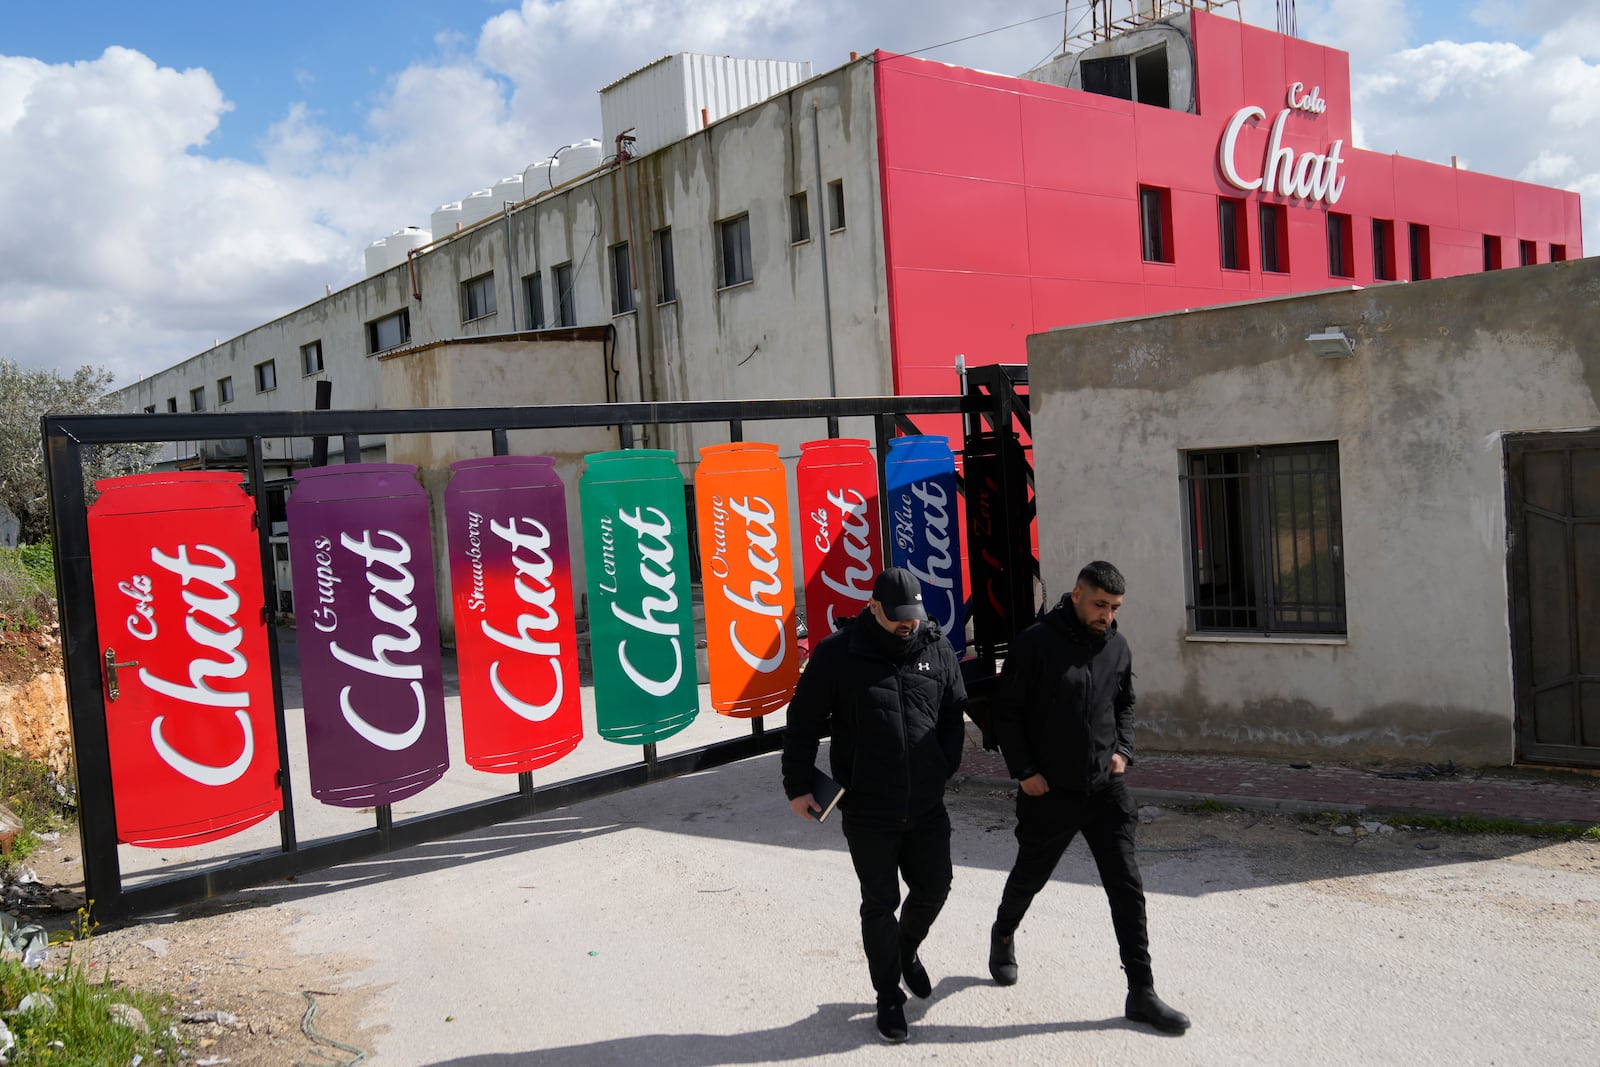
{"points": [[696, 922]]}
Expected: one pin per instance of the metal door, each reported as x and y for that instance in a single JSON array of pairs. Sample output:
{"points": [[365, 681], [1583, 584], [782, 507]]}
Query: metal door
{"points": [[1553, 499]]}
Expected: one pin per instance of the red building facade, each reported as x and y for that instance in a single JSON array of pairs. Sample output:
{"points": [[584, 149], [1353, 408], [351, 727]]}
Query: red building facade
{"points": [[1012, 206]]}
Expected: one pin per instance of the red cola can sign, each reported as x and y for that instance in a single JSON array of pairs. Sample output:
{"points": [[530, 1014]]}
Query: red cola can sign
{"points": [[920, 479], [368, 628], [742, 502], [841, 545], [180, 609], [511, 586]]}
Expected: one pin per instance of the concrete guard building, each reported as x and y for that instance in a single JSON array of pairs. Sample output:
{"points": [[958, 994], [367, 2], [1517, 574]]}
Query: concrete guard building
{"points": [[1354, 524]]}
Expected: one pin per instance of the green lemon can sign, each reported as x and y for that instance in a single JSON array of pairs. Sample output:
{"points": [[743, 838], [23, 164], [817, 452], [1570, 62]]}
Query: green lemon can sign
{"points": [[641, 621]]}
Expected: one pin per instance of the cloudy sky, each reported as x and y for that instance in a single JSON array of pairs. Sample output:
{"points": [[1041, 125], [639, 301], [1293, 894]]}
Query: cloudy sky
{"points": [[165, 183]]}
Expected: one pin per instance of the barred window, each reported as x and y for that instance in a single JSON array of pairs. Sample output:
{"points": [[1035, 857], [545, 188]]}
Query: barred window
{"points": [[1266, 542]]}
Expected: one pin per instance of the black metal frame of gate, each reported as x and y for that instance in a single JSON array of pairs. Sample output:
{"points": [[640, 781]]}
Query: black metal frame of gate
{"points": [[992, 398]]}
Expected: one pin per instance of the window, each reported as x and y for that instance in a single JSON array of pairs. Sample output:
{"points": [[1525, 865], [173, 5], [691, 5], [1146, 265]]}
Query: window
{"points": [[566, 314], [1383, 250], [1155, 223], [836, 205], [621, 279], [1341, 256], [1421, 267], [225, 390], [1527, 253], [735, 242], [1142, 77], [477, 297], [666, 275], [1558, 253], [799, 219], [149, 409], [267, 376], [172, 405], [533, 297], [197, 399], [1274, 239], [1231, 234], [311, 358], [1491, 253], [389, 331], [1265, 540]]}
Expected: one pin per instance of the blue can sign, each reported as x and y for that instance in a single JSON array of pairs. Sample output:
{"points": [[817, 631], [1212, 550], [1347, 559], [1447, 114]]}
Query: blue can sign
{"points": [[925, 539]]}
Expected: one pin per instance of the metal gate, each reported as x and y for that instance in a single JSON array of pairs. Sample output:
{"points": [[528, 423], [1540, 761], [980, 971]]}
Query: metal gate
{"points": [[1553, 505], [994, 399]]}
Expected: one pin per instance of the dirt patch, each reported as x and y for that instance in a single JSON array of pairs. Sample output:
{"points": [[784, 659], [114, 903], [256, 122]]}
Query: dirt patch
{"points": [[227, 964]]}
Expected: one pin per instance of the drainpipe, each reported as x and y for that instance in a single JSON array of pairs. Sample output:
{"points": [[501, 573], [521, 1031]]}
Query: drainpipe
{"points": [[411, 266], [822, 240], [624, 142]]}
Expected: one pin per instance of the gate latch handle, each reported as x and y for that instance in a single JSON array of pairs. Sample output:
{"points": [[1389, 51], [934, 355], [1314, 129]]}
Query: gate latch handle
{"points": [[112, 691]]}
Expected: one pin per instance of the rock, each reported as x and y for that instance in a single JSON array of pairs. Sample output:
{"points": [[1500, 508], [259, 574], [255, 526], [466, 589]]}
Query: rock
{"points": [[1150, 813], [1371, 827], [1344, 829], [157, 946], [129, 1016], [34, 722]]}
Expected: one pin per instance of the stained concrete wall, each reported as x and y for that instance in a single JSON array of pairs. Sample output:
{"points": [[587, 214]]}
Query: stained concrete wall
{"points": [[1441, 370]]}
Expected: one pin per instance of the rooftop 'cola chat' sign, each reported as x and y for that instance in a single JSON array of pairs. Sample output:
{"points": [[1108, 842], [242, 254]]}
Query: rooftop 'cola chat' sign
{"points": [[1305, 175]]}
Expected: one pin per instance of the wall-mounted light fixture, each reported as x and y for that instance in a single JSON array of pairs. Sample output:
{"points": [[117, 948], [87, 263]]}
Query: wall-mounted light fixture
{"points": [[1331, 343]]}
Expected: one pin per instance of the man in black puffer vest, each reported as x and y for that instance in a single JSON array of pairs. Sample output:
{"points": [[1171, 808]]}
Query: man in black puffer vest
{"points": [[888, 687], [1063, 716]]}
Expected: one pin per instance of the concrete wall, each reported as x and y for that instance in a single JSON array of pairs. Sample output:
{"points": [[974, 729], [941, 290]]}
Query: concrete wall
{"points": [[1440, 371]]}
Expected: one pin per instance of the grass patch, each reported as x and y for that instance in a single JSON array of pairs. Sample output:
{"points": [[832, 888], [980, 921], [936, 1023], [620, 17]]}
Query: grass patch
{"points": [[27, 584], [86, 1022], [38, 800]]}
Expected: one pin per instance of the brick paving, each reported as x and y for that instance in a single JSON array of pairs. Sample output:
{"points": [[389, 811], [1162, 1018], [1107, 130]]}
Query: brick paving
{"points": [[1525, 795]]}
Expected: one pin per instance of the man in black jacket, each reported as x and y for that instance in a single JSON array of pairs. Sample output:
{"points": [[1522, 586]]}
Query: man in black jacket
{"points": [[1063, 716], [888, 687]]}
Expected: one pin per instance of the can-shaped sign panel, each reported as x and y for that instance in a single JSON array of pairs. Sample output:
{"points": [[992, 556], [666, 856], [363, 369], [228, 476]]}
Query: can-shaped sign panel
{"points": [[361, 555], [841, 543], [641, 621], [925, 536], [741, 497], [180, 608], [511, 586]]}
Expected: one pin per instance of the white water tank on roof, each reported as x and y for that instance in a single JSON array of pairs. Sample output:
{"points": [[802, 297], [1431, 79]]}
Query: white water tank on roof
{"points": [[580, 158], [479, 206], [446, 219], [508, 191], [403, 241], [377, 257], [536, 179]]}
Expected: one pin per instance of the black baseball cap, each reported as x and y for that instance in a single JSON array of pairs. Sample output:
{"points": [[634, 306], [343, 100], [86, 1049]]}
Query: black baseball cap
{"points": [[900, 594]]}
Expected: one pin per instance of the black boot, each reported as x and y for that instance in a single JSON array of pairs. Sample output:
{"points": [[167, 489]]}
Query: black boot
{"points": [[1002, 957], [915, 974], [1145, 1007], [892, 1023]]}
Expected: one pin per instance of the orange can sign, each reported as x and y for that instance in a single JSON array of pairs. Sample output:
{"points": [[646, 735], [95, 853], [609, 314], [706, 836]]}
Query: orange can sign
{"points": [[742, 503]]}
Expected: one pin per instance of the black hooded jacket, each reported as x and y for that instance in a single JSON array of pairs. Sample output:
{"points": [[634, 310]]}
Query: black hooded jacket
{"points": [[1065, 702], [895, 715]]}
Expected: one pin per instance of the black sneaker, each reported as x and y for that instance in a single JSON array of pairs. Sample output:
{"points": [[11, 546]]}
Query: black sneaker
{"points": [[892, 1023], [915, 974], [1145, 1007], [1002, 957]]}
